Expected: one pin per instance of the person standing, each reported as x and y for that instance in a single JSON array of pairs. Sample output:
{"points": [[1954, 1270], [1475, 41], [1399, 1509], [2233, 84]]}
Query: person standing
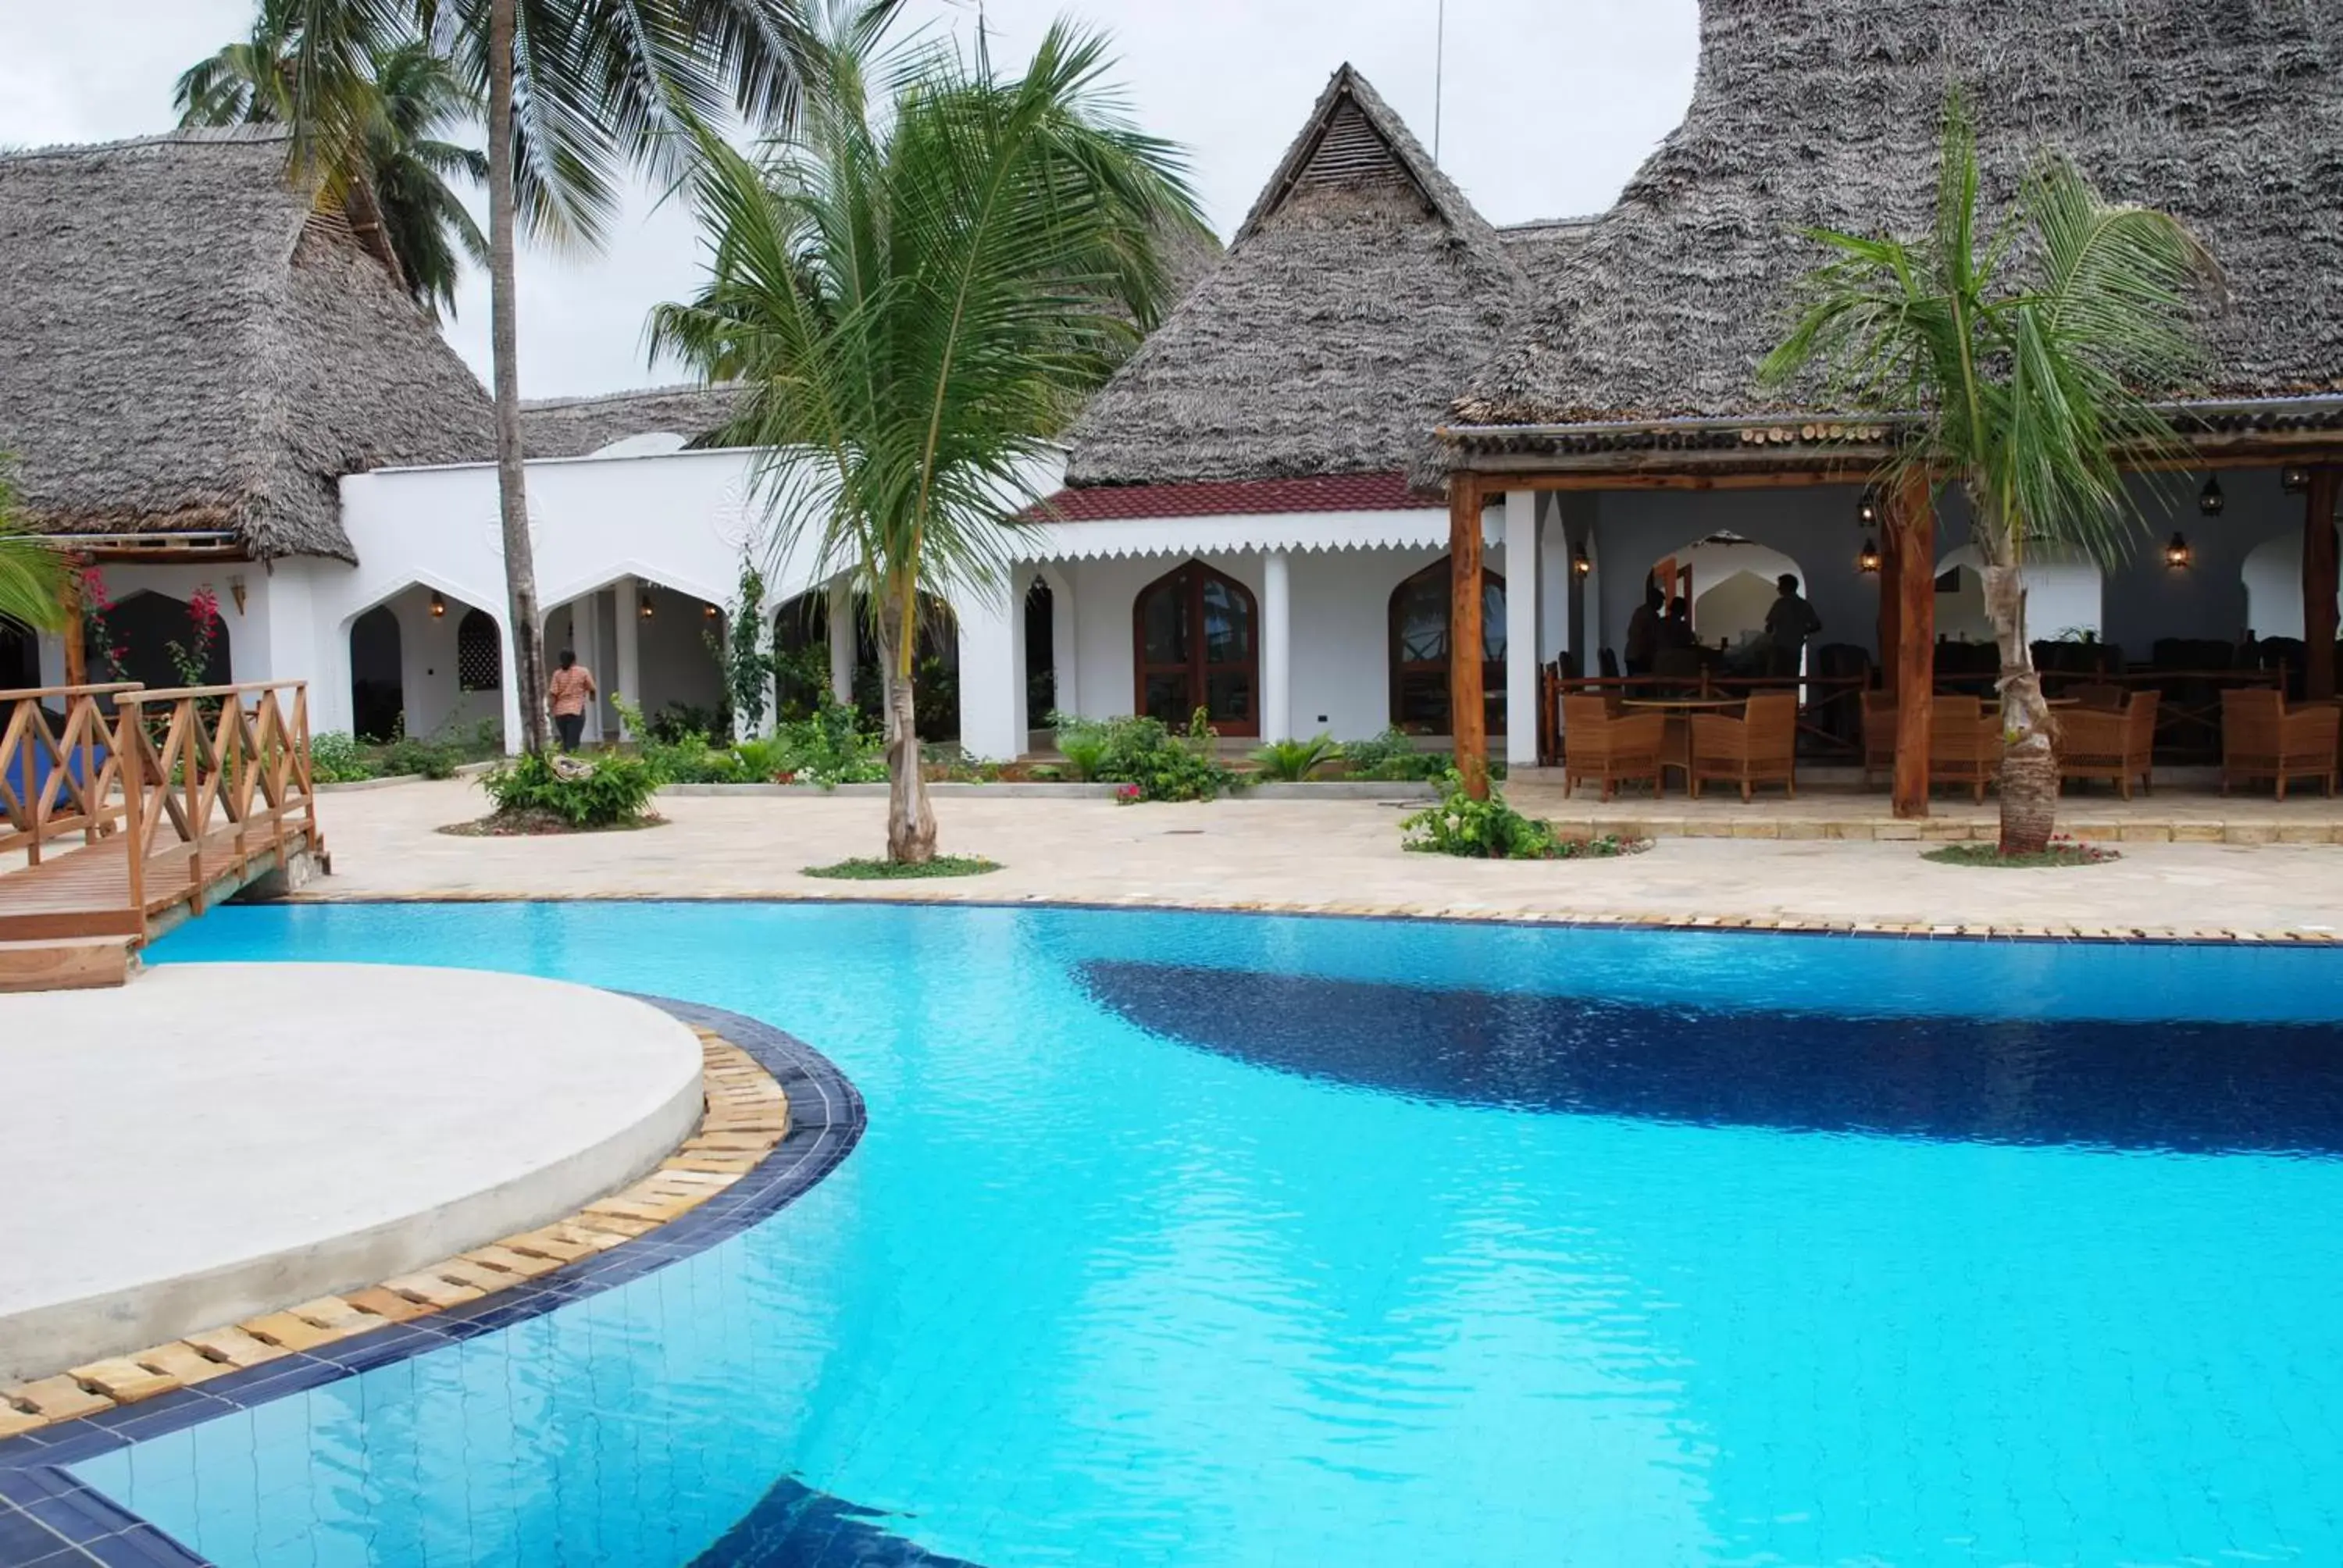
{"points": [[567, 694], [1643, 629], [1788, 624]]}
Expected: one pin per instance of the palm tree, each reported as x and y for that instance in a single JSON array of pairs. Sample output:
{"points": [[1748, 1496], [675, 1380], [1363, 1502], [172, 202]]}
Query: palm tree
{"points": [[918, 293], [576, 91], [32, 571], [2019, 363], [385, 163]]}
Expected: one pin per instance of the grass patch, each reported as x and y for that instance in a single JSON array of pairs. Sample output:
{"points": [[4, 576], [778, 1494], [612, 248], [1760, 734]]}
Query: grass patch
{"points": [[532, 823], [870, 870], [2061, 852]]}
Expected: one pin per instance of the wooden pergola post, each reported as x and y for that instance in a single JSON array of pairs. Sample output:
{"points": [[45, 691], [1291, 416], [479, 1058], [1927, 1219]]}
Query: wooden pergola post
{"points": [[1912, 530], [75, 638], [1467, 715], [2319, 586]]}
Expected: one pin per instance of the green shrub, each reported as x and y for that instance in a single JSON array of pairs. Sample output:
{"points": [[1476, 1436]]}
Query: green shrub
{"points": [[407, 755], [613, 790], [829, 749], [1143, 752], [1490, 829], [1293, 761], [679, 722], [1393, 758], [334, 759]]}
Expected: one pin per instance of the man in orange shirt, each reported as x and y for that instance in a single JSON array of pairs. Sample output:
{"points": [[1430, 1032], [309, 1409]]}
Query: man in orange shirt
{"points": [[568, 693]]}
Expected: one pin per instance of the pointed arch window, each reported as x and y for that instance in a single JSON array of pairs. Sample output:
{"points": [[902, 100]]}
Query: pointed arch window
{"points": [[1420, 615], [479, 659], [1196, 642]]}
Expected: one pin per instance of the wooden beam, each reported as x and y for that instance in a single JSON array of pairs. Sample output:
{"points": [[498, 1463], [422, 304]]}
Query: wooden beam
{"points": [[1467, 714], [75, 638], [2319, 585], [1912, 522]]}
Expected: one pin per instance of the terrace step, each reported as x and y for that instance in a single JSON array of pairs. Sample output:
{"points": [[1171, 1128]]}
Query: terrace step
{"points": [[68, 964]]}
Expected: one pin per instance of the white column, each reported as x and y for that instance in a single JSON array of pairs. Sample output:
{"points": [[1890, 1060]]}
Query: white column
{"points": [[1521, 568], [508, 687], [992, 676], [1063, 664], [1276, 647], [842, 640], [586, 638], [626, 619]]}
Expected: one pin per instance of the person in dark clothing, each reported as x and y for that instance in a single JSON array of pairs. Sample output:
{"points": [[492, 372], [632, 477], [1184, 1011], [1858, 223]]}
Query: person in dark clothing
{"points": [[1643, 631], [1788, 624]]}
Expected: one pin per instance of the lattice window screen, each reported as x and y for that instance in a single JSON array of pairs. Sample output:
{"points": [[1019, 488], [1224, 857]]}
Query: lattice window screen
{"points": [[479, 662]]}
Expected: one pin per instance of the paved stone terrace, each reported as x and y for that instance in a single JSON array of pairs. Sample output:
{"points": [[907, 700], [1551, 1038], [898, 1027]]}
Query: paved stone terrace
{"points": [[1343, 856]]}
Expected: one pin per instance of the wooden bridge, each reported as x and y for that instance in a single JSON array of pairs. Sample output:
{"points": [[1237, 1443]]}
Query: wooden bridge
{"points": [[129, 811]]}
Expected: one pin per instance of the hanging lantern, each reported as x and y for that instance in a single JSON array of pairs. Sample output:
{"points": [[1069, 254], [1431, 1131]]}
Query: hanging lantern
{"points": [[2211, 502], [645, 608], [1580, 563], [2294, 479], [710, 612], [439, 605], [1868, 560], [1866, 510], [2178, 555]]}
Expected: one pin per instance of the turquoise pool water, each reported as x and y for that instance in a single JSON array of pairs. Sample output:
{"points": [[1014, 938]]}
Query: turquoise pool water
{"points": [[1205, 1240]]}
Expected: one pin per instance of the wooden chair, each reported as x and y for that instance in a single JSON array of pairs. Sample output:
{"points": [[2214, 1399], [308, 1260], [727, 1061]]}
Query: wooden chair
{"points": [[2116, 746], [2106, 696], [2262, 739], [1759, 747], [1878, 734], [1609, 748], [1964, 743]]}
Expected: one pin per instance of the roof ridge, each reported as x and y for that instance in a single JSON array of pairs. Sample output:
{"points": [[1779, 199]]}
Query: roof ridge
{"points": [[232, 136], [591, 399]]}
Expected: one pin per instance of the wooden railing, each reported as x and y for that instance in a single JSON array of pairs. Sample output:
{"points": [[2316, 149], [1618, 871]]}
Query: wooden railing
{"points": [[59, 776], [227, 767]]}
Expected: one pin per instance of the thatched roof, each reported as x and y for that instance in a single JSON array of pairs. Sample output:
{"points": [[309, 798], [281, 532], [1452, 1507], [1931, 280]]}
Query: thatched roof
{"points": [[574, 426], [1825, 112], [1358, 294], [187, 346]]}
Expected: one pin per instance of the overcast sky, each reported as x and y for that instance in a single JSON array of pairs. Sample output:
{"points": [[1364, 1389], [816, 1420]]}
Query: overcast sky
{"points": [[1549, 106]]}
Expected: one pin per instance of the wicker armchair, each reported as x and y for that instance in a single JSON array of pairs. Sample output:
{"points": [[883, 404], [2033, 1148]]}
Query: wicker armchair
{"points": [[2119, 745], [1878, 734], [2262, 739], [1760, 748], [1609, 748], [1963, 744]]}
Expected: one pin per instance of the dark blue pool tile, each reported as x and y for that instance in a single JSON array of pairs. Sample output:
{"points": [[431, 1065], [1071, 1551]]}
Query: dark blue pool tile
{"points": [[377, 1349], [69, 1442], [143, 1546], [275, 1380], [26, 1538]]}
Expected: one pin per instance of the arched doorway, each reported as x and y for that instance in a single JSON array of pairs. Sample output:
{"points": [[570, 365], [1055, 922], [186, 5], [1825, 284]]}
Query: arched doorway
{"points": [[1040, 649], [137, 632], [1195, 634], [20, 655], [1420, 612], [377, 677]]}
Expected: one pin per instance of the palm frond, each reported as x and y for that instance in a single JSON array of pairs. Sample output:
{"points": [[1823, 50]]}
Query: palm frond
{"points": [[32, 573]]}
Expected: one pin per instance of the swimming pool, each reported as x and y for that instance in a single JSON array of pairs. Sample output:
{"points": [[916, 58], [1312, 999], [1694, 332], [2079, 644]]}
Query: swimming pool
{"points": [[1213, 1240]]}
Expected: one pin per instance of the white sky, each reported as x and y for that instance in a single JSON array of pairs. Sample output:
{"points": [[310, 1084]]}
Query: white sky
{"points": [[1550, 105]]}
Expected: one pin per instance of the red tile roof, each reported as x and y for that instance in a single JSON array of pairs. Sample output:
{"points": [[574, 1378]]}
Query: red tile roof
{"points": [[1225, 498]]}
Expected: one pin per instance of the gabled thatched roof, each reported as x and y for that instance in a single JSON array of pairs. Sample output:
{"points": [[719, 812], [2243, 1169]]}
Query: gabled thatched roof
{"points": [[1825, 112], [574, 426], [1354, 299], [185, 346]]}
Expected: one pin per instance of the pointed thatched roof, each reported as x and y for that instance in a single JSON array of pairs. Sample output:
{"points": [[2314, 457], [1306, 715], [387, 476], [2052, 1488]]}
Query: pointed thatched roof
{"points": [[1824, 112], [574, 426], [187, 346], [1356, 297]]}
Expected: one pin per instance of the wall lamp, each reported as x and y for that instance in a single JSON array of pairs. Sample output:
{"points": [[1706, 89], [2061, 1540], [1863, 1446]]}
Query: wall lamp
{"points": [[2178, 555], [1581, 564], [439, 605], [2210, 501], [1867, 560]]}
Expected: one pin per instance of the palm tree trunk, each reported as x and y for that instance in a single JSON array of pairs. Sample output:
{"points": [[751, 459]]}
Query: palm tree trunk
{"points": [[2030, 766], [910, 822], [512, 494]]}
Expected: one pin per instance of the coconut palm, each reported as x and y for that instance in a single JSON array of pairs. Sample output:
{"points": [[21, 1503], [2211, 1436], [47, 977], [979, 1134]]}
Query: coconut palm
{"points": [[918, 293], [2018, 362], [388, 163], [32, 573], [577, 91]]}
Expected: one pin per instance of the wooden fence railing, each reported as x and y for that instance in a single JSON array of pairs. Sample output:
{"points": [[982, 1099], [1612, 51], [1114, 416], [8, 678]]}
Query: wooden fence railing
{"points": [[59, 777], [227, 767]]}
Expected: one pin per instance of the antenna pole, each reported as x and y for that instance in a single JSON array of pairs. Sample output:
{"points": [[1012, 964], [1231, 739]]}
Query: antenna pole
{"points": [[1439, 70]]}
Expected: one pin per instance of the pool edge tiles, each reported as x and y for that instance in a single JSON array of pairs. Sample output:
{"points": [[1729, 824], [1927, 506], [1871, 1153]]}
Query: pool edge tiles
{"points": [[50, 1518], [1452, 914]]}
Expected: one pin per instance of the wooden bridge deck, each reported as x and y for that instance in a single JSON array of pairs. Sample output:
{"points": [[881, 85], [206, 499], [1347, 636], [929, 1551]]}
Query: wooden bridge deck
{"points": [[85, 892], [115, 827]]}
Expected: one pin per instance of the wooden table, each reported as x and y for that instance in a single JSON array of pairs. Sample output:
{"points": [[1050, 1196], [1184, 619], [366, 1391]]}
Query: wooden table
{"points": [[1676, 751]]}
